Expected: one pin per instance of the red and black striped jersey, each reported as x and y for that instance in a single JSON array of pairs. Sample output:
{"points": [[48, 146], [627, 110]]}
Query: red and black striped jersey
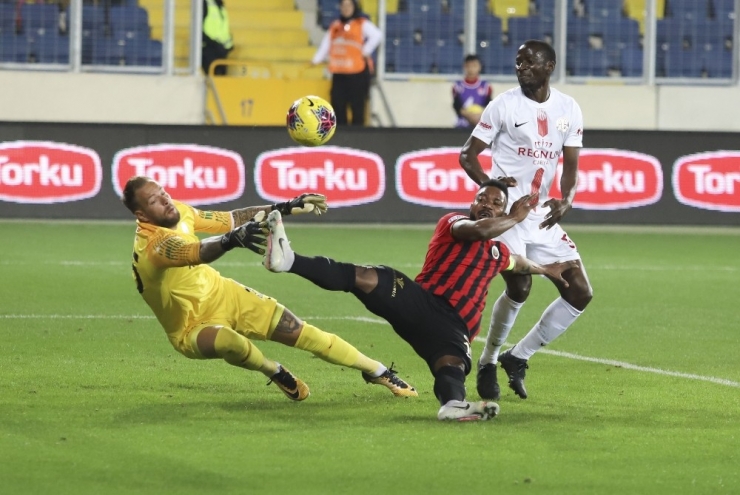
{"points": [[460, 271]]}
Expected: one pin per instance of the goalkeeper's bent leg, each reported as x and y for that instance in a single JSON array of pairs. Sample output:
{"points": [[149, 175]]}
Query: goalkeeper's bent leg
{"points": [[236, 350], [333, 349], [325, 272]]}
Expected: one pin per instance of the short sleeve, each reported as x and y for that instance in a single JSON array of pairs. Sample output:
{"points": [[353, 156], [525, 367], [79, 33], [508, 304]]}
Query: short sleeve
{"points": [[574, 138], [490, 121]]}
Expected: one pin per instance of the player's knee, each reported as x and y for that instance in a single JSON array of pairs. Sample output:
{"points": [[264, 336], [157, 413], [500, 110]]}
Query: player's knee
{"points": [[366, 278], [449, 361], [518, 291], [579, 295], [232, 347]]}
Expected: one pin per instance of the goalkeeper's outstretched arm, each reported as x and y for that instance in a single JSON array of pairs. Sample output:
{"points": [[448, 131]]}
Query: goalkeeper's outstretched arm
{"points": [[305, 203]]}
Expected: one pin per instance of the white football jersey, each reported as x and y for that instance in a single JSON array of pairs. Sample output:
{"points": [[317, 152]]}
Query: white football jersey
{"points": [[527, 138]]}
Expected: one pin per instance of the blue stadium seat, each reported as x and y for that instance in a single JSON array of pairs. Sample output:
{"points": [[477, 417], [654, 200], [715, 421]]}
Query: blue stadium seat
{"points": [[588, 62], [620, 31], [724, 8], [578, 33], [7, 19], [406, 56], [39, 15], [145, 53], [679, 62], [93, 17], [50, 48], [687, 9], [630, 62], [128, 18], [498, 59], [13, 48], [489, 28], [672, 32], [603, 9], [718, 63], [398, 26], [448, 58], [522, 29], [107, 52]]}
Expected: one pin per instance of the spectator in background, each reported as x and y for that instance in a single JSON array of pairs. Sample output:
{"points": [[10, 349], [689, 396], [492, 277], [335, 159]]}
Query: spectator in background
{"points": [[217, 42], [471, 95], [349, 43]]}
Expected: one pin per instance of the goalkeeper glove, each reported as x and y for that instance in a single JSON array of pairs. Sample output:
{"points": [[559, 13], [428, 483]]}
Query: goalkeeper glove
{"points": [[305, 203], [250, 236]]}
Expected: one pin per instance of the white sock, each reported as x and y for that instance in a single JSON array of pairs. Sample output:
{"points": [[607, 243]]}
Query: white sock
{"points": [[554, 321], [381, 369], [503, 317]]}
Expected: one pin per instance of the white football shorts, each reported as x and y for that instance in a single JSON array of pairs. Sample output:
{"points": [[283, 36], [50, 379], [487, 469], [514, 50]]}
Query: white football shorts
{"points": [[540, 245]]}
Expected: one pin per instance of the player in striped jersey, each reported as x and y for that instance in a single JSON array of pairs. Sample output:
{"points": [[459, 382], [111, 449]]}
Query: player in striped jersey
{"points": [[439, 312]]}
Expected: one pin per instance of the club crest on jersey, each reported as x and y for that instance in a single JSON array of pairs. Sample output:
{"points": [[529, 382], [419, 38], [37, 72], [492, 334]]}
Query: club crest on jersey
{"points": [[495, 252], [542, 128], [563, 125]]}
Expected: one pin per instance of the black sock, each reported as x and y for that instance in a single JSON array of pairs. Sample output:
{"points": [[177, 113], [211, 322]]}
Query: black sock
{"points": [[449, 384], [325, 272]]}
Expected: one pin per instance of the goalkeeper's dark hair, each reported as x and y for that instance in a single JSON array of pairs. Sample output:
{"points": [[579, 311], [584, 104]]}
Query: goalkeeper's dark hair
{"points": [[129, 192], [495, 183]]}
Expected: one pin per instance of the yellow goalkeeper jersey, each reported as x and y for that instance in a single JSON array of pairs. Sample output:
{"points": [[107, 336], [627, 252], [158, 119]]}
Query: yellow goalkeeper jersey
{"points": [[168, 272]]}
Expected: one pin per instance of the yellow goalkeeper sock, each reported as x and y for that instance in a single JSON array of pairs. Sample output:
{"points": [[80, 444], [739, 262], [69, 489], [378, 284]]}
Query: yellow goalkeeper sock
{"points": [[333, 349]]}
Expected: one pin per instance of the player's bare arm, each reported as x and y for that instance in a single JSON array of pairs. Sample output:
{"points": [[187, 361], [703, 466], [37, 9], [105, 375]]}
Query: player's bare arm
{"points": [[525, 266], [469, 159], [568, 182], [243, 215], [490, 224]]}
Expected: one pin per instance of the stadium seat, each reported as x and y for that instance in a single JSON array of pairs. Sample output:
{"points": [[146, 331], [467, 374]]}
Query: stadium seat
{"points": [[14, 48], [724, 8], [398, 26], [489, 29], [128, 18], [718, 63], [622, 31], [603, 9], [39, 15], [578, 34], [687, 9], [522, 29], [630, 62], [50, 49], [107, 52], [505, 9], [679, 62], [448, 58], [93, 17], [146, 53], [7, 19], [587, 62], [498, 59], [406, 56]]}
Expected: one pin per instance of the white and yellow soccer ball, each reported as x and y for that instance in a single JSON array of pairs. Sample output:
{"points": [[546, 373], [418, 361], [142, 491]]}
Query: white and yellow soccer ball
{"points": [[311, 121]]}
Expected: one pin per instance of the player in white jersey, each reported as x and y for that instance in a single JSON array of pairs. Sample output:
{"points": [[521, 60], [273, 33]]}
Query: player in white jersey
{"points": [[528, 129]]}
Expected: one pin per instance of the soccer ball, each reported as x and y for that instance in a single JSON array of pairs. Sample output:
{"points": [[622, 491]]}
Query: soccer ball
{"points": [[311, 121]]}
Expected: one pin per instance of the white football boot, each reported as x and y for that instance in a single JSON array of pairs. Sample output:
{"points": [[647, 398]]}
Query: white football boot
{"points": [[279, 256], [460, 410]]}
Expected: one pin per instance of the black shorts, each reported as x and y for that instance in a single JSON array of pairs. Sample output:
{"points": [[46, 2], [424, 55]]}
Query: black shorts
{"points": [[427, 322]]}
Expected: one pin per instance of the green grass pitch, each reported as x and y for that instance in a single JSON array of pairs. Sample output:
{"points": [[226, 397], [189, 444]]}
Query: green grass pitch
{"points": [[93, 400]]}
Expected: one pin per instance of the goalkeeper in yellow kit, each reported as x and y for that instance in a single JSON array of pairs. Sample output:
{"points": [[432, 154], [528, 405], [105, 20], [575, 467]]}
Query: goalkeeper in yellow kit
{"points": [[207, 316]]}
